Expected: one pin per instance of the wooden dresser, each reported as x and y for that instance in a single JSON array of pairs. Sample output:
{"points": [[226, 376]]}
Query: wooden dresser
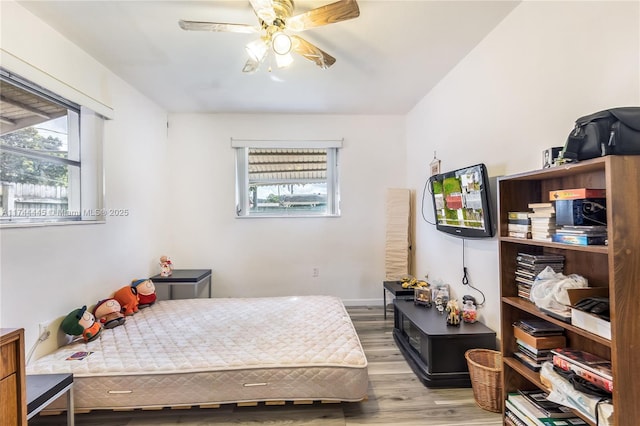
{"points": [[13, 405]]}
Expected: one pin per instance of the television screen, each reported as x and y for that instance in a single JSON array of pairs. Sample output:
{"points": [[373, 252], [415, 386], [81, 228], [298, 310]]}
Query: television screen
{"points": [[461, 202]]}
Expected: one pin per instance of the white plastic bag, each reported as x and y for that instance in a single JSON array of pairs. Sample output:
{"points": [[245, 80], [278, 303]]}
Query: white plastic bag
{"points": [[549, 289]]}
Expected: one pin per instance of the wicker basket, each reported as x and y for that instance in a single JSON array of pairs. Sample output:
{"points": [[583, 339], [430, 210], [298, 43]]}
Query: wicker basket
{"points": [[485, 369]]}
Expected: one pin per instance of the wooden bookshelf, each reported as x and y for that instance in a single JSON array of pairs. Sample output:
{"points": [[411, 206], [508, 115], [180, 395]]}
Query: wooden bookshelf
{"points": [[616, 266]]}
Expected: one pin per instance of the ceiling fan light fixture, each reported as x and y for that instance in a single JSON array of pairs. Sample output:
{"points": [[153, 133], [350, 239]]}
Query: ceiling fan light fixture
{"points": [[281, 43], [257, 50], [283, 61]]}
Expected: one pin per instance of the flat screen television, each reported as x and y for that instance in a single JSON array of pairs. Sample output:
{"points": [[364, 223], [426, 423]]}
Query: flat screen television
{"points": [[462, 202]]}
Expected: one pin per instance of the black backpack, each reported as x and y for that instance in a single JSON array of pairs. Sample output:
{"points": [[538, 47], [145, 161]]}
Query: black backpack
{"points": [[613, 131]]}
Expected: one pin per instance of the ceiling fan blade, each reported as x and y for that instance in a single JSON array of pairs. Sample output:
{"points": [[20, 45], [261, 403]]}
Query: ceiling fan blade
{"points": [[251, 66], [217, 26], [323, 15], [264, 10], [311, 52]]}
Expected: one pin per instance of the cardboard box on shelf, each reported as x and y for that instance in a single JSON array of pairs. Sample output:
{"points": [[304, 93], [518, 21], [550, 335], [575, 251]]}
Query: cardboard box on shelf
{"points": [[586, 320]]}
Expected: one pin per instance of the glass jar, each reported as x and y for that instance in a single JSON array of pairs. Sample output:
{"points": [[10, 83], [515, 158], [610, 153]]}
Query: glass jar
{"points": [[469, 312]]}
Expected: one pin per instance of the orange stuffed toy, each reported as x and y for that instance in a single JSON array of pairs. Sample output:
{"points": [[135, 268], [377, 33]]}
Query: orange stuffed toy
{"points": [[127, 296]]}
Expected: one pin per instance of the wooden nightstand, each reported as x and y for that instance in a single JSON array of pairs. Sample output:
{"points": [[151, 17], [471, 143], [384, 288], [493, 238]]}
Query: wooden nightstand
{"points": [[13, 405]]}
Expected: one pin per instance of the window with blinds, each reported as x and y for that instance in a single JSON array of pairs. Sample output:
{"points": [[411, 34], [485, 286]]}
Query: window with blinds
{"points": [[50, 156], [287, 181]]}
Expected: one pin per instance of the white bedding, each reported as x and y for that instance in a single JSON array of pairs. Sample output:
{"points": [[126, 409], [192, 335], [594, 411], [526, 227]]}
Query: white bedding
{"points": [[211, 351]]}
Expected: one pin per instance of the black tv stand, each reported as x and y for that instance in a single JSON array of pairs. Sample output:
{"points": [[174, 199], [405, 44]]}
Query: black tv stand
{"points": [[435, 350]]}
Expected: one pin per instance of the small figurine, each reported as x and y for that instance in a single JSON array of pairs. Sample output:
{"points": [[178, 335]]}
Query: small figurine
{"points": [[146, 292], [453, 313], [127, 296], [108, 313], [166, 267], [79, 322]]}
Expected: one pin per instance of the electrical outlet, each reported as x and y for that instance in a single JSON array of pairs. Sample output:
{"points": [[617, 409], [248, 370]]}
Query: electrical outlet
{"points": [[44, 331], [315, 273]]}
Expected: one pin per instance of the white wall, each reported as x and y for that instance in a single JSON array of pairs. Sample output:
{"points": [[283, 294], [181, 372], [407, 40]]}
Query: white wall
{"points": [[516, 94], [271, 256], [47, 272]]}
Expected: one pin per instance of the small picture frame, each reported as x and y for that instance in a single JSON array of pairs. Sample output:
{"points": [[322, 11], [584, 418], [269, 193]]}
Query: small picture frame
{"points": [[435, 167], [550, 156]]}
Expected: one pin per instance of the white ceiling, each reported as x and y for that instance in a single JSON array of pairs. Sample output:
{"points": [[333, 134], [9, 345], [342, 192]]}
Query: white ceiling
{"points": [[387, 59]]}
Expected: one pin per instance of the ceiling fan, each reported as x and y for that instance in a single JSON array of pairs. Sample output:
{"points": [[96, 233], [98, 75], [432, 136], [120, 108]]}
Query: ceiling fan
{"points": [[276, 22]]}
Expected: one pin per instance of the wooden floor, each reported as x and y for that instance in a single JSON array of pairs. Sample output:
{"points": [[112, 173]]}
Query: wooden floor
{"points": [[396, 397]]}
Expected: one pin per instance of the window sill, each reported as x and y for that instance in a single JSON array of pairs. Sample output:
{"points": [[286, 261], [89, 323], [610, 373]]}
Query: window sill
{"points": [[288, 216], [10, 225]]}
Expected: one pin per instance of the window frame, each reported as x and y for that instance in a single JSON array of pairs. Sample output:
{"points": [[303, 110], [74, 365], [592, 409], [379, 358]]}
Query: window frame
{"points": [[242, 147], [85, 133]]}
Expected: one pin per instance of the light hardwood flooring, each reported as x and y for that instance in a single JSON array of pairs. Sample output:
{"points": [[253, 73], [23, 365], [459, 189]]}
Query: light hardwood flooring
{"points": [[395, 397]]}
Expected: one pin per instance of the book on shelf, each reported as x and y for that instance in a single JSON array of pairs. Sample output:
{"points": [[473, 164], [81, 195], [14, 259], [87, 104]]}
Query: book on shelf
{"points": [[593, 230], [591, 367], [527, 361], [524, 280], [605, 383], [527, 413], [580, 240], [525, 221], [540, 206], [518, 227], [512, 419], [542, 220], [520, 234], [518, 215], [543, 342], [533, 353], [559, 314], [539, 327], [539, 258], [549, 408], [541, 214], [577, 193]]}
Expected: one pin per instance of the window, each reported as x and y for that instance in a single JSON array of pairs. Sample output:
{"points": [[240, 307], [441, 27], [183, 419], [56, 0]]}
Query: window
{"points": [[50, 156], [286, 178]]}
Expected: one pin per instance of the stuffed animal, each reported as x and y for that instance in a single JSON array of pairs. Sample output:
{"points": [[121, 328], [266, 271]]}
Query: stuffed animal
{"points": [[146, 292], [127, 296], [79, 322], [166, 267], [108, 313]]}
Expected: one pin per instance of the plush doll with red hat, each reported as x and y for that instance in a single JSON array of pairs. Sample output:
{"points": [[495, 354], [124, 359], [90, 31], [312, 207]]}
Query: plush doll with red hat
{"points": [[146, 292], [108, 313], [127, 296], [80, 322]]}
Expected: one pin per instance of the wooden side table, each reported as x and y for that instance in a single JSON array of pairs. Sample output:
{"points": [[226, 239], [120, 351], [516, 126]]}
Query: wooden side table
{"points": [[182, 277], [43, 389], [396, 289]]}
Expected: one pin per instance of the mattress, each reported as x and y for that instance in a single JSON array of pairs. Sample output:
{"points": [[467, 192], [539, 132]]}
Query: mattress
{"points": [[214, 351]]}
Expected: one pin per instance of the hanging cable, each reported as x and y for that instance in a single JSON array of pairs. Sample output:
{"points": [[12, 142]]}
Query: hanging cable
{"points": [[465, 276], [424, 191]]}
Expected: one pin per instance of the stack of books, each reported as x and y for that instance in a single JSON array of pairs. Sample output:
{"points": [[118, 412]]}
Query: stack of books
{"points": [[590, 367], [582, 235], [528, 266], [519, 225], [535, 339], [532, 408], [543, 221]]}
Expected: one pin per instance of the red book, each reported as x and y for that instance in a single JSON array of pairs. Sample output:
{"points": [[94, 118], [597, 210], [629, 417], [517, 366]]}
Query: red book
{"points": [[576, 194]]}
